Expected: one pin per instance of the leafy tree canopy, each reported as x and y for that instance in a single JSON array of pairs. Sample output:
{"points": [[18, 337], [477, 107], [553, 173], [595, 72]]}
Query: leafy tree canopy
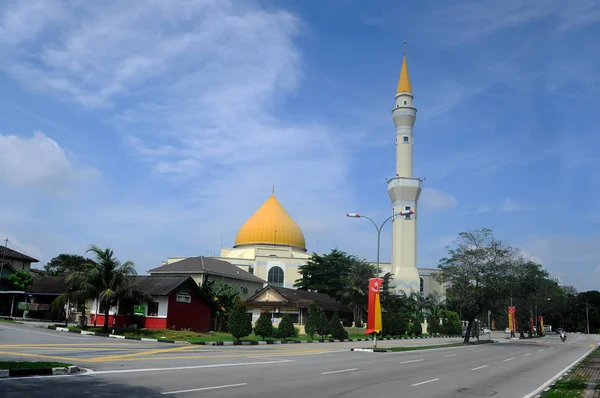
{"points": [[64, 264], [20, 280]]}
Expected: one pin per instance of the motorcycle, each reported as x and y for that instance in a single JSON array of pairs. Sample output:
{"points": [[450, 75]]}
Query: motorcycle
{"points": [[563, 336]]}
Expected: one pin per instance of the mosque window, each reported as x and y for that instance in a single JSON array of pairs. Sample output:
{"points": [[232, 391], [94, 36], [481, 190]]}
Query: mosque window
{"points": [[275, 276], [406, 139]]}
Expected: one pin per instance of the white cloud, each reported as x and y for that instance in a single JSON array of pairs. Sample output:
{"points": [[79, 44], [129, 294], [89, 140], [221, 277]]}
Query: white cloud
{"points": [[508, 205], [193, 87], [39, 163], [432, 199]]}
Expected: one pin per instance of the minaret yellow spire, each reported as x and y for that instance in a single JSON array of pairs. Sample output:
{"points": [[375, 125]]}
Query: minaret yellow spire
{"points": [[404, 82]]}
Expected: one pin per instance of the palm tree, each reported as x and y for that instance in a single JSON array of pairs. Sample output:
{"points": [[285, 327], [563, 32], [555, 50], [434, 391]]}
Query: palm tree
{"points": [[106, 279]]}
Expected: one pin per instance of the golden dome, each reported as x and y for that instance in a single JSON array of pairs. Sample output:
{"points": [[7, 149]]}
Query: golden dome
{"points": [[271, 225]]}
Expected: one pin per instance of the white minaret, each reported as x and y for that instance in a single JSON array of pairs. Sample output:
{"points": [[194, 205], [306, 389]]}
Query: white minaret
{"points": [[404, 189]]}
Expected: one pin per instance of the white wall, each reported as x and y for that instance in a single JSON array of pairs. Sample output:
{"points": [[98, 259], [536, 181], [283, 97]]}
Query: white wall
{"points": [[163, 306]]}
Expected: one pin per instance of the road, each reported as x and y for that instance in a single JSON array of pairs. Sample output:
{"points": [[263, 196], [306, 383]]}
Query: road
{"points": [[138, 369]]}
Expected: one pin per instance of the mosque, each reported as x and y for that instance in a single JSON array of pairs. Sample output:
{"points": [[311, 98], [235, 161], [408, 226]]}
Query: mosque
{"points": [[271, 245]]}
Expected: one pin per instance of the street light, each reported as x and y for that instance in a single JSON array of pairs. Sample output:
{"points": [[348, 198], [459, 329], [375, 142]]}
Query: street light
{"points": [[379, 228]]}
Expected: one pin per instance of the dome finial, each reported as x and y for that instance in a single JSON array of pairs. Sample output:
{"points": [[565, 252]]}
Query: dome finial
{"points": [[404, 47], [273, 190]]}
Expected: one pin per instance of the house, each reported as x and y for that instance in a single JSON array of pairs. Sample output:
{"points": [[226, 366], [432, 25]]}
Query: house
{"points": [[280, 300], [203, 269], [11, 261], [176, 304]]}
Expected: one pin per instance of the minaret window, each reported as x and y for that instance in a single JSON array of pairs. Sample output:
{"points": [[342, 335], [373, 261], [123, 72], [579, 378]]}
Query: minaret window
{"points": [[405, 102], [275, 276], [421, 288], [408, 216], [406, 139]]}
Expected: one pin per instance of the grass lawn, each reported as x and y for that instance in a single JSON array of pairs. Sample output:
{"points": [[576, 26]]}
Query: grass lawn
{"points": [[570, 388], [12, 365], [8, 320], [192, 337]]}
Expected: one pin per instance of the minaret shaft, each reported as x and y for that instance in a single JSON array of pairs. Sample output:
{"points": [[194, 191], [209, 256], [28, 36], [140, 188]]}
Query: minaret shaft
{"points": [[404, 190]]}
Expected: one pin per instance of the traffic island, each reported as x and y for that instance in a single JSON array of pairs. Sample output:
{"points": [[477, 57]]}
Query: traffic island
{"points": [[423, 347], [24, 368]]}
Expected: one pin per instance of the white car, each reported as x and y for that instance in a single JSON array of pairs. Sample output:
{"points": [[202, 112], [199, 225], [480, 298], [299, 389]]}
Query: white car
{"points": [[487, 331], [507, 330]]}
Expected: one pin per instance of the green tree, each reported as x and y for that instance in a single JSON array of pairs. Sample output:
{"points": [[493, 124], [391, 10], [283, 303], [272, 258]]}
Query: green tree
{"points": [[390, 324], [240, 324], [356, 293], [477, 270], [64, 264], [107, 279], [416, 328], [313, 320], [222, 298], [264, 326], [326, 274], [286, 327], [20, 280], [336, 328], [322, 328]]}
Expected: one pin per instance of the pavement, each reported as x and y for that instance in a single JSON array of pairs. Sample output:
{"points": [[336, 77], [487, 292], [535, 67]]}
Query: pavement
{"points": [[513, 368]]}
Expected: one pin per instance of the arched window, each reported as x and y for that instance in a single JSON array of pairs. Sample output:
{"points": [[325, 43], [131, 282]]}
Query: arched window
{"points": [[275, 276], [421, 288]]}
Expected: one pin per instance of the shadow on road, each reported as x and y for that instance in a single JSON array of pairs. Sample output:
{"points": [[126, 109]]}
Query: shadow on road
{"points": [[71, 387]]}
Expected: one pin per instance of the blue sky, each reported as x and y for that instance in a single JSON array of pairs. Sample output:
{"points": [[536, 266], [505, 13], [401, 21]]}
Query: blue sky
{"points": [[157, 129]]}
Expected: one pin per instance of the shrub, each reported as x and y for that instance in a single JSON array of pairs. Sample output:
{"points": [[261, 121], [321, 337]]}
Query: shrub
{"points": [[286, 327], [322, 328], [240, 324], [312, 321], [264, 326], [417, 329], [337, 329]]}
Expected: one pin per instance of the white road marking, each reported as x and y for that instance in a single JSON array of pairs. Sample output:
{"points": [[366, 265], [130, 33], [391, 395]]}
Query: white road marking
{"points": [[509, 359], [526, 355], [204, 389], [338, 371], [424, 382], [541, 350], [449, 355], [414, 360], [219, 365], [481, 367], [478, 351]]}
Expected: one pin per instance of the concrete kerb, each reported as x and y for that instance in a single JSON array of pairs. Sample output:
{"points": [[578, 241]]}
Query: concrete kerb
{"points": [[416, 348], [230, 343], [62, 371]]}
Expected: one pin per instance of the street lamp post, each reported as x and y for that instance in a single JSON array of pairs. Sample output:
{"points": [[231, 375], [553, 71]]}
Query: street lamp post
{"points": [[380, 227]]}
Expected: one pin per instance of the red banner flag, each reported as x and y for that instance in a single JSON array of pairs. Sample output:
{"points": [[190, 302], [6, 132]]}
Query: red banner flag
{"points": [[512, 312], [374, 320]]}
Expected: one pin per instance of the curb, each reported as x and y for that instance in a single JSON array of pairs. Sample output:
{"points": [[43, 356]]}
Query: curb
{"points": [[232, 343], [39, 372]]}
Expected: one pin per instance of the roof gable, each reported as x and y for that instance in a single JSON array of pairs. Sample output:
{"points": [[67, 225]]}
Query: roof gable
{"points": [[9, 253], [296, 297], [207, 265]]}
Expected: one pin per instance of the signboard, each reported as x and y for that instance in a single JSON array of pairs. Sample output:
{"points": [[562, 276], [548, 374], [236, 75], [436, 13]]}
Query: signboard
{"points": [[139, 310]]}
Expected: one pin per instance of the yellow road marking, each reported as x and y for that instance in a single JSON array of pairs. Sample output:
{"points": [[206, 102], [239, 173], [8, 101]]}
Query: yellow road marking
{"points": [[67, 345], [137, 354], [23, 354]]}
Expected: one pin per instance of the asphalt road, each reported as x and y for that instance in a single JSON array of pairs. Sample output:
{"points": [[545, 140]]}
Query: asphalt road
{"points": [[510, 369]]}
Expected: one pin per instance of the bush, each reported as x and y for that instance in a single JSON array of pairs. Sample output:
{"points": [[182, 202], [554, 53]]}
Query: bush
{"points": [[286, 327], [312, 321], [390, 324], [322, 328], [433, 325], [240, 323], [416, 328], [337, 329], [264, 326]]}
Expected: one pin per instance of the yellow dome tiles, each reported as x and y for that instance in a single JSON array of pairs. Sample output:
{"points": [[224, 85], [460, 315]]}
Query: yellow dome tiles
{"points": [[404, 82], [271, 225]]}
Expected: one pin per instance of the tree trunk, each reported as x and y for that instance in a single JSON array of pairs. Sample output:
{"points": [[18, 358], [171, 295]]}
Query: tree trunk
{"points": [[105, 328], [468, 332]]}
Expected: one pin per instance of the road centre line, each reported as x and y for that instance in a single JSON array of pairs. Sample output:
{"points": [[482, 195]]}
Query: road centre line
{"points": [[449, 355], [526, 355], [204, 389], [478, 351], [541, 350], [480, 367], [509, 359], [218, 365], [338, 371], [424, 382], [414, 360]]}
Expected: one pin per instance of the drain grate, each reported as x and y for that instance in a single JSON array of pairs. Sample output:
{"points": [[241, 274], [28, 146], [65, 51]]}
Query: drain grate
{"points": [[476, 393]]}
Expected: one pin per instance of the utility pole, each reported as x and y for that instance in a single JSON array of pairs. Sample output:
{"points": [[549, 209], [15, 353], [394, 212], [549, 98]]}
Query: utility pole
{"points": [[587, 317], [3, 256]]}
